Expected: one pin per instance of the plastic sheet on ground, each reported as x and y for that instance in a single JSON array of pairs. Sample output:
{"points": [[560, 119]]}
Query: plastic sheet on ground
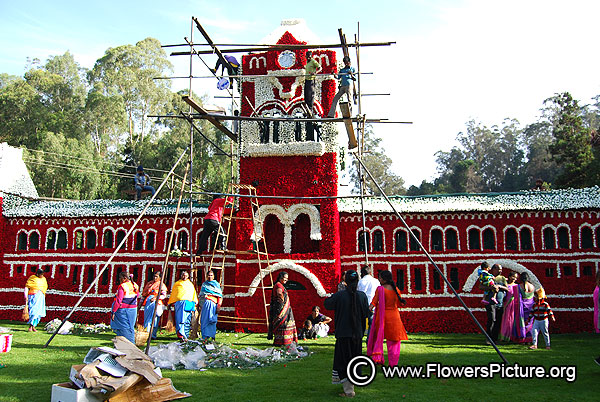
{"points": [[195, 355]]}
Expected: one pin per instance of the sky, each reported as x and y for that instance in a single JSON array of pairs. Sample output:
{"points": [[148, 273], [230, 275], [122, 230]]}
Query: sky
{"points": [[453, 60]]}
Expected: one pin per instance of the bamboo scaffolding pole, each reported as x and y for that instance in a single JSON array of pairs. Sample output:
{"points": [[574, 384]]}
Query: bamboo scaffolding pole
{"points": [[283, 47], [117, 249], [165, 264], [439, 271], [281, 119]]}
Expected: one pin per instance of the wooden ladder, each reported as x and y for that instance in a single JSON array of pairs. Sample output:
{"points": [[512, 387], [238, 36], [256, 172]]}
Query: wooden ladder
{"points": [[259, 250]]}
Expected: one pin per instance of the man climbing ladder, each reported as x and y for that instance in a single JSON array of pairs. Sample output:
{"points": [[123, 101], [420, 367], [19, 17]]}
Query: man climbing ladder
{"points": [[212, 220]]}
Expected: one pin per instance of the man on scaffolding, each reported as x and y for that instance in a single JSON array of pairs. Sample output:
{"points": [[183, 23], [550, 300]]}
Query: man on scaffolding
{"points": [[312, 68], [142, 183], [212, 220], [346, 76], [232, 66]]}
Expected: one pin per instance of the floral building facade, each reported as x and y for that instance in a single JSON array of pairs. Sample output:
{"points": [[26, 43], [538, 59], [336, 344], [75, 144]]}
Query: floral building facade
{"points": [[554, 236]]}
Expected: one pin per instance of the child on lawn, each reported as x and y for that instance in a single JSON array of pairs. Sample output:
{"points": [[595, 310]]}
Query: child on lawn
{"points": [[487, 280], [307, 331], [541, 311]]}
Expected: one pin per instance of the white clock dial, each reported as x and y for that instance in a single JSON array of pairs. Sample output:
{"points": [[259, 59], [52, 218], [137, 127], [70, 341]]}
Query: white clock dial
{"points": [[287, 59]]}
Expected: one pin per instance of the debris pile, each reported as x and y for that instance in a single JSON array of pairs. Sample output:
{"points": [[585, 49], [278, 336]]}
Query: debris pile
{"points": [[202, 354], [120, 374]]}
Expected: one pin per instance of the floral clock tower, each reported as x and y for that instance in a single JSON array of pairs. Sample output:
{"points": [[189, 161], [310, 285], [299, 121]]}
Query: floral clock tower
{"points": [[294, 159]]}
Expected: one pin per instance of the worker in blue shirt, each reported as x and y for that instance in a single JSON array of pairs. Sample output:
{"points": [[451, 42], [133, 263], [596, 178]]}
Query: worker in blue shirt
{"points": [[346, 76]]}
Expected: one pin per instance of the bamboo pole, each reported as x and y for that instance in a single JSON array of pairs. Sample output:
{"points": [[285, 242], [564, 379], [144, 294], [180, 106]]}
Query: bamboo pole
{"points": [[439, 271], [169, 245], [117, 249]]}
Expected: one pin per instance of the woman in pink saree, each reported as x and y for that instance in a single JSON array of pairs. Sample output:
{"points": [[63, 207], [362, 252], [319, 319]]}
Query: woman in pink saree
{"points": [[516, 325]]}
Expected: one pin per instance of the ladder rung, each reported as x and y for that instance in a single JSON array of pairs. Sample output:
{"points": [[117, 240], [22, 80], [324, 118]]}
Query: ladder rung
{"points": [[241, 252], [241, 218]]}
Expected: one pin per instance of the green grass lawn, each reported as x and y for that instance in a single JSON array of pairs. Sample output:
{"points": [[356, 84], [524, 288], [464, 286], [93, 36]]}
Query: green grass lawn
{"points": [[31, 370]]}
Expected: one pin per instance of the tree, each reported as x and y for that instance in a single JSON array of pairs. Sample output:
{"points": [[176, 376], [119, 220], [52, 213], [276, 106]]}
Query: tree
{"points": [[540, 165], [128, 72], [571, 147], [378, 164], [458, 173], [54, 175]]}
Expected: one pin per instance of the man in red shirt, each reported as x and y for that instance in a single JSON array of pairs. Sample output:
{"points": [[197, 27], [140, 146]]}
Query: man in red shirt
{"points": [[212, 220]]}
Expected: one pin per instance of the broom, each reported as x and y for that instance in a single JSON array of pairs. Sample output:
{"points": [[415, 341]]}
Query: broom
{"points": [[170, 327], [25, 313]]}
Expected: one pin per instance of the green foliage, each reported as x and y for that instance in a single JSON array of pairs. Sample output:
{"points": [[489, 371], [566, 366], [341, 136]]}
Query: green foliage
{"points": [[571, 147], [378, 164], [75, 177], [128, 72]]}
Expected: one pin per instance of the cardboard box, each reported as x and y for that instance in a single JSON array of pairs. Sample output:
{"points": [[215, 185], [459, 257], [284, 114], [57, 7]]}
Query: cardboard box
{"points": [[75, 377], [67, 392]]}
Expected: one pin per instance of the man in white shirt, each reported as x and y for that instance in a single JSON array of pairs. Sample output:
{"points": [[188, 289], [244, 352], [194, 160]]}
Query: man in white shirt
{"points": [[368, 284]]}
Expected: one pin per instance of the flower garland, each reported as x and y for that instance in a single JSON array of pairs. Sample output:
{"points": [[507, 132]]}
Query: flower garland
{"points": [[555, 200]]}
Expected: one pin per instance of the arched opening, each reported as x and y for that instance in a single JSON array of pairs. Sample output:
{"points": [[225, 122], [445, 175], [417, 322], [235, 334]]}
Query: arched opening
{"points": [[139, 241], [61, 241], [378, 240], [108, 239], [489, 239], [511, 239], [90, 239], [182, 240], [437, 240], [414, 245], [301, 241], [363, 241], [587, 237], [51, 240], [563, 237], [401, 241], [549, 239], [22, 241], [526, 239], [274, 230], [451, 239], [150, 239], [78, 239], [34, 241], [120, 236], [474, 241]]}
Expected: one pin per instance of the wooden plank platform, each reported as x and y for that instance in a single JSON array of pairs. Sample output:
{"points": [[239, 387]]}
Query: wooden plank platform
{"points": [[345, 108], [196, 106]]}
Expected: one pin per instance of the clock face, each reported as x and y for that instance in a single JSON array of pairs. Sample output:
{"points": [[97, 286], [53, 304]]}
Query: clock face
{"points": [[287, 59]]}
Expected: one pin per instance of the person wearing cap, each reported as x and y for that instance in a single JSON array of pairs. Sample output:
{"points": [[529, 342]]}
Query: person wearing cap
{"points": [[312, 68], [540, 312], [346, 76], [232, 66], [142, 182], [35, 298]]}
